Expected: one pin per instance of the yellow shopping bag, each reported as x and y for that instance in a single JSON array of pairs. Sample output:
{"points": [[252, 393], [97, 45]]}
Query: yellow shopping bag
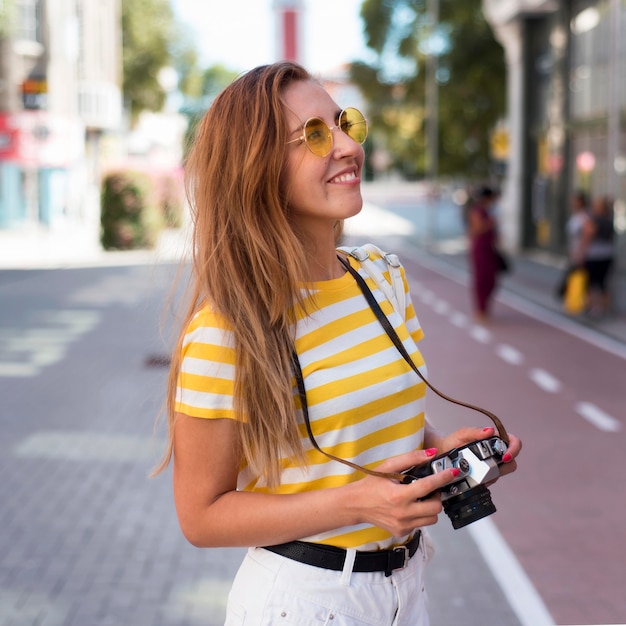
{"points": [[575, 292]]}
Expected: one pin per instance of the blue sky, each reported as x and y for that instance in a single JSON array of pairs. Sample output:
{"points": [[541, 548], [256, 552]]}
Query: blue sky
{"points": [[240, 33]]}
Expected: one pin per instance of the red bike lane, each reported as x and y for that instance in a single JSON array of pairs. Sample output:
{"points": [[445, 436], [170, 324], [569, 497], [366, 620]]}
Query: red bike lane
{"points": [[562, 512]]}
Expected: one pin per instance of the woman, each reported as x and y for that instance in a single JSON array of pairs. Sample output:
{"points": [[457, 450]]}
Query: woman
{"points": [[274, 171], [598, 252], [483, 236]]}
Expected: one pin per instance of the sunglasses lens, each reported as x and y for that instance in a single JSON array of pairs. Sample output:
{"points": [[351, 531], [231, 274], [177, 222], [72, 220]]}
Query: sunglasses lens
{"points": [[317, 137], [354, 124]]}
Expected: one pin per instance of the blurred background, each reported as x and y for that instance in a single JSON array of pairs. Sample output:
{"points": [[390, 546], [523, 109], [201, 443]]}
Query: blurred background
{"points": [[99, 100], [526, 95]]}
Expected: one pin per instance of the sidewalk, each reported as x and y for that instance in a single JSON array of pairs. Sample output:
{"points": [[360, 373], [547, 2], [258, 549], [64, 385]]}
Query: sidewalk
{"points": [[78, 246], [533, 278]]}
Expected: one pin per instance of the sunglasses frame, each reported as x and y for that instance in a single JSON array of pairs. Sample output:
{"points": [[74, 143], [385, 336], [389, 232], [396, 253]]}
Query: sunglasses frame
{"points": [[329, 129]]}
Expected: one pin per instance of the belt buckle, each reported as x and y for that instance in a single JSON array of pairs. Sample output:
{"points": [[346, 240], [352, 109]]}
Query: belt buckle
{"points": [[407, 557]]}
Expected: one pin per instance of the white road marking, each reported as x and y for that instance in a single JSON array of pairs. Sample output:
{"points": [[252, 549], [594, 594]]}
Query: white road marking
{"points": [[545, 380], [459, 319], [426, 296], [71, 445], [441, 307], [374, 219], [509, 354], [597, 417], [515, 584], [24, 352], [481, 334]]}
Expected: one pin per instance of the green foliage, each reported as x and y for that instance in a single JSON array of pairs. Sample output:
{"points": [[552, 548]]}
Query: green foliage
{"points": [[147, 34], [213, 79], [7, 16], [185, 62], [171, 199], [470, 80], [130, 214]]}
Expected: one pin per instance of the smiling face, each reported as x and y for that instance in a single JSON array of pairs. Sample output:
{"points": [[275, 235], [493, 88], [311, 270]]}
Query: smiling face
{"points": [[321, 190]]}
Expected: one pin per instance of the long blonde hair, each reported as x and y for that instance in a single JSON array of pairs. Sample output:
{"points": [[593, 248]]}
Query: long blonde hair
{"points": [[248, 261]]}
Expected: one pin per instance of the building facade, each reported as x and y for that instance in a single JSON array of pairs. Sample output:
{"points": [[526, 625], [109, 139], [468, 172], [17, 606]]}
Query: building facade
{"points": [[60, 92], [566, 113]]}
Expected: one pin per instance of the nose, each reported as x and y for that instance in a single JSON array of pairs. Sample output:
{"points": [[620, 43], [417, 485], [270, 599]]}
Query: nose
{"points": [[343, 144]]}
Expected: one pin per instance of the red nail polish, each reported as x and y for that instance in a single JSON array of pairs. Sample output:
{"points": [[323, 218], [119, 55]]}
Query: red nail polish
{"points": [[488, 429], [455, 471], [431, 451], [507, 457]]}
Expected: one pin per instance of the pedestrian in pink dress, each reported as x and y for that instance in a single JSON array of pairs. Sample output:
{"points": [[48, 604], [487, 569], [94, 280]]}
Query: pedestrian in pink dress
{"points": [[482, 231]]}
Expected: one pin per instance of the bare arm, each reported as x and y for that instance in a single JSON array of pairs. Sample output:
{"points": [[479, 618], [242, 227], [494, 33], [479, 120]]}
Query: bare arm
{"points": [[212, 512], [478, 224]]}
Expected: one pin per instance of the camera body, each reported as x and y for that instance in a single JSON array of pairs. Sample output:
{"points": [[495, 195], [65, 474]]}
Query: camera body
{"points": [[466, 499]]}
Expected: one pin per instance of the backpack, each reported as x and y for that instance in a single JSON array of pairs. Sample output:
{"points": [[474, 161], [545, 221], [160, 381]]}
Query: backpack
{"points": [[394, 290]]}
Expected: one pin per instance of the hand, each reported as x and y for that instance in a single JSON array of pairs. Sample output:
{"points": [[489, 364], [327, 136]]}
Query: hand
{"points": [[400, 508], [467, 435]]}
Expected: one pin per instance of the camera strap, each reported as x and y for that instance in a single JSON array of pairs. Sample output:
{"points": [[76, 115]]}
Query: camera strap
{"points": [[389, 329], [305, 412]]}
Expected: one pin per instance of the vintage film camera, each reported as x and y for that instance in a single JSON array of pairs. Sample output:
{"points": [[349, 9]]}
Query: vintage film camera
{"points": [[467, 499]]}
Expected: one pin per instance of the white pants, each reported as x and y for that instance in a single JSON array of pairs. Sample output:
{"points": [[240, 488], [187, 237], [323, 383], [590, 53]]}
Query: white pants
{"points": [[271, 590]]}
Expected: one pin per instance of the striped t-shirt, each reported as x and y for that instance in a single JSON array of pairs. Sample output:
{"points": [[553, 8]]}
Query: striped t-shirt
{"points": [[365, 403]]}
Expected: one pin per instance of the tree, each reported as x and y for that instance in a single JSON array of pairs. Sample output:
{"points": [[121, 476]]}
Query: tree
{"points": [[148, 31], [208, 83], [470, 80]]}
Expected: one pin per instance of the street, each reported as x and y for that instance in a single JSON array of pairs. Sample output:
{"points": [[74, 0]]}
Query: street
{"points": [[89, 539]]}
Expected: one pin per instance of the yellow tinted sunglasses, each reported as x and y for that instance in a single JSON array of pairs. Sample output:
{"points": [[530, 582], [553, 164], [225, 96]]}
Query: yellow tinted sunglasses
{"points": [[318, 136]]}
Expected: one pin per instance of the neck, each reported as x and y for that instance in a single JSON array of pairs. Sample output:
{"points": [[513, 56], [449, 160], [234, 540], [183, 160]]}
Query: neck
{"points": [[328, 271], [324, 265]]}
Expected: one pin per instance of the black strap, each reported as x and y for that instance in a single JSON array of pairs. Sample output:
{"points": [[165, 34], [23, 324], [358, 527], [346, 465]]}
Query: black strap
{"points": [[389, 329], [333, 558], [305, 411]]}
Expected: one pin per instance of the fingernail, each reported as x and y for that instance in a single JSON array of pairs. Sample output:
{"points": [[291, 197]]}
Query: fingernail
{"points": [[431, 451], [507, 457], [488, 429], [455, 471]]}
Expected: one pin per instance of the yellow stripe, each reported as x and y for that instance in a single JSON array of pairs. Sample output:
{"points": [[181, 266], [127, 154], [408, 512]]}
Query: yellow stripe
{"points": [[368, 410], [195, 382], [195, 411]]}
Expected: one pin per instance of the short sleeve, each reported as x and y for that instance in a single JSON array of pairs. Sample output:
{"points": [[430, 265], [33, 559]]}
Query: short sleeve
{"points": [[207, 373]]}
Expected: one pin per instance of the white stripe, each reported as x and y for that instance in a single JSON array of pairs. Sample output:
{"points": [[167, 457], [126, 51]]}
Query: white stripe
{"points": [[598, 417], [515, 584], [426, 296], [509, 354], [18, 370], [441, 307], [204, 367], [545, 380], [480, 334], [373, 218], [458, 319], [204, 400]]}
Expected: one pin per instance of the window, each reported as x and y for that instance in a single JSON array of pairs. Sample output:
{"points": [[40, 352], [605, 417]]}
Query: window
{"points": [[29, 26]]}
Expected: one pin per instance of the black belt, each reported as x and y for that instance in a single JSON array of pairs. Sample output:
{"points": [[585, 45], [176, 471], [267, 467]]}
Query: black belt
{"points": [[330, 557]]}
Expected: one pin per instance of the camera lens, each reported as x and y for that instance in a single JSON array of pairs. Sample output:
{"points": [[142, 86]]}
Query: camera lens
{"points": [[469, 506]]}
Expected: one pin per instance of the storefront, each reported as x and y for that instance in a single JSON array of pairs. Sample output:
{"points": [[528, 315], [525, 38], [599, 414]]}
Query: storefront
{"points": [[567, 112], [40, 155]]}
